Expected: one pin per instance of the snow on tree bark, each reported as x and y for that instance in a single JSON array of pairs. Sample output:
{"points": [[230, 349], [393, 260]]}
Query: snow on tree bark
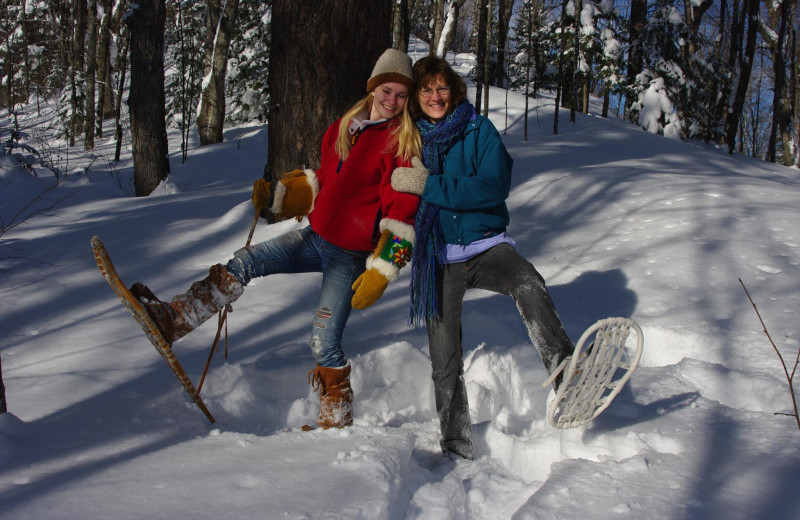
{"points": [[211, 111]]}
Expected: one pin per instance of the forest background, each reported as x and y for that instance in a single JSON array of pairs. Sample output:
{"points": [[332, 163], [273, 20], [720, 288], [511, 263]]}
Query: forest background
{"points": [[721, 71]]}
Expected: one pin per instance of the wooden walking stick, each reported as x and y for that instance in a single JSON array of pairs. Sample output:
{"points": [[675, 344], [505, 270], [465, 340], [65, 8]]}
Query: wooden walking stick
{"points": [[223, 315]]}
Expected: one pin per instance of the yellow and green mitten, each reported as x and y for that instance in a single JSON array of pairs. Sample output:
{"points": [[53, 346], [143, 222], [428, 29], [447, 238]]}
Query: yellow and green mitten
{"points": [[383, 266]]}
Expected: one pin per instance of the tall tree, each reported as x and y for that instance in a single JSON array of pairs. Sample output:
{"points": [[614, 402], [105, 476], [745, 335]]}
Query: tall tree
{"points": [[401, 25], [522, 68], [124, 43], [449, 25], [211, 118], [693, 12], [638, 18], [183, 86], [9, 53], [573, 76], [723, 87], [482, 50], [146, 100], [746, 66], [105, 94], [504, 10], [775, 36], [438, 8], [77, 63], [487, 59], [91, 71], [3, 405], [795, 88], [318, 69], [562, 59]]}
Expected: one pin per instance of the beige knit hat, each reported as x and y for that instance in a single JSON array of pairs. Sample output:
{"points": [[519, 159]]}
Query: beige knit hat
{"points": [[394, 66]]}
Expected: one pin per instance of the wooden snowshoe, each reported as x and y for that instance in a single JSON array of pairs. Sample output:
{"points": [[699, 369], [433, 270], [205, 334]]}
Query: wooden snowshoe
{"points": [[145, 322]]}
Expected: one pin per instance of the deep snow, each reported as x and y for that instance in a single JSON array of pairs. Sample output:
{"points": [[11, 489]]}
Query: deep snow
{"points": [[619, 221]]}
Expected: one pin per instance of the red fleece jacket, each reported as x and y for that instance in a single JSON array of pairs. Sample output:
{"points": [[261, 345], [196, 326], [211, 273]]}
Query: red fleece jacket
{"points": [[356, 194]]}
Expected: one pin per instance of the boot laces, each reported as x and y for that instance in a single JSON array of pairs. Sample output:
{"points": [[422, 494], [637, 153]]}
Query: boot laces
{"points": [[316, 381]]}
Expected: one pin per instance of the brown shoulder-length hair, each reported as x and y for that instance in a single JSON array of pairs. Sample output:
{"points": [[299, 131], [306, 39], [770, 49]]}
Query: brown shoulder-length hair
{"points": [[425, 72]]}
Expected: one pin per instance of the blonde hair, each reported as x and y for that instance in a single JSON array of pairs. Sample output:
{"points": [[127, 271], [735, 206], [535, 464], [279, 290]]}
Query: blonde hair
{"points": [[404, 134]]}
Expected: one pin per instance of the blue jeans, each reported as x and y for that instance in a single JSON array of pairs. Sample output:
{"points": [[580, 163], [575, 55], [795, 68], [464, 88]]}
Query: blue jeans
{"points": [[304, 251], [503, 270]]}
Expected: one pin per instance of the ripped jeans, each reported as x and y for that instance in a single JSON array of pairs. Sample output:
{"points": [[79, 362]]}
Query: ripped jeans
{"points": [[304, 251]]}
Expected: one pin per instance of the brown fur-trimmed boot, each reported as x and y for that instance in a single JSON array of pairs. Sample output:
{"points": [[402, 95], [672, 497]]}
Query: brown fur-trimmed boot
{"points": [[191, 309], [335, 396]]}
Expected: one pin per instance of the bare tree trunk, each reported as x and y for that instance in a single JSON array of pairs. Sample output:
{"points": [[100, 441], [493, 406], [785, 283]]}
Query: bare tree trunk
{"points": [[211, 116], [8, 67], [735, 113], [104, 108], [401, 25], [26, 62], [437, 11], [504, 10], [795, 94], [487, 76], [781, 110], [318, 69], [448, 31], [573, 106], [734, 59], [483, 14], [76, 67], [560, 85], [146, 100], [3, 405], [91, 71], [528, 65], [694, 18], [715, 112], [122, 65]]}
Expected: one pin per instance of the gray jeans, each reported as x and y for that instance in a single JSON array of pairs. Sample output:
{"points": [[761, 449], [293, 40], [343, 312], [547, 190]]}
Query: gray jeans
{"points": [[503, 270]]}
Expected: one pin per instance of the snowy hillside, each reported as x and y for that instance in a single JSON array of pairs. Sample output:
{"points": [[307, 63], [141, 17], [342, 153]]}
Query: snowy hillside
{"points": [[619, 222]]}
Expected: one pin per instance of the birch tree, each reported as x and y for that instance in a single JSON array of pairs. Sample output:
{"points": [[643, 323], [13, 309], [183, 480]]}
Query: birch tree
{"points": [[211, 116]]}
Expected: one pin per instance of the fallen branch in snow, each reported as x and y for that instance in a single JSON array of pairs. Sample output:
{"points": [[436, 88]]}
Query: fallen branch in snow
{"points": [[789, 377]]}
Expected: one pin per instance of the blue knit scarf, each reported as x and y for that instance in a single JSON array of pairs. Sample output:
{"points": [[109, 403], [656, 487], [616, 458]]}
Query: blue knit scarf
{"points": [[428, 254]]}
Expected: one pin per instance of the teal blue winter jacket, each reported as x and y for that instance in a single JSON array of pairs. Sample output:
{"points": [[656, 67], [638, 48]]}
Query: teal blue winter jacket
{"points": [[474, 185]]}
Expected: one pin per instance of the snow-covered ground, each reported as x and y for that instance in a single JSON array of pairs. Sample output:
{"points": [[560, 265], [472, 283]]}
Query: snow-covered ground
{"points": [[620, 223]]}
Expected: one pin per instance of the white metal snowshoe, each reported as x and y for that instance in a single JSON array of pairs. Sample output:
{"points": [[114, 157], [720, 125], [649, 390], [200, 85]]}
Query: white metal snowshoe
{"points": [[592, 377]]}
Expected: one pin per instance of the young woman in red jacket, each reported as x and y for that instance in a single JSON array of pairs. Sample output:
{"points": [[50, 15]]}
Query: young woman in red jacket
{"points": [[360, 232]]}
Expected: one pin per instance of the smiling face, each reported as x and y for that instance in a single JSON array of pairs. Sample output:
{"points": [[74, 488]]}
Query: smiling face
{"points": [[388, 101], [434, 99]]}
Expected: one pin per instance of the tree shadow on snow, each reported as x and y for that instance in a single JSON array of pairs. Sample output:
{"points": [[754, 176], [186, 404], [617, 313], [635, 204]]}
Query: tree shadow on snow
{"points": [[624, 412]]}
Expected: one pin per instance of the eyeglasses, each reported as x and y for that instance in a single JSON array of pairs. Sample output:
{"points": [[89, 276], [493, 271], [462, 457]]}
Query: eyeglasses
{"points": [[428, 92]]}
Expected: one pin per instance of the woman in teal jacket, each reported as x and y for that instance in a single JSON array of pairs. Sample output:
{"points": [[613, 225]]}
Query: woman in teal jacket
{"points": [[462, 241]]}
